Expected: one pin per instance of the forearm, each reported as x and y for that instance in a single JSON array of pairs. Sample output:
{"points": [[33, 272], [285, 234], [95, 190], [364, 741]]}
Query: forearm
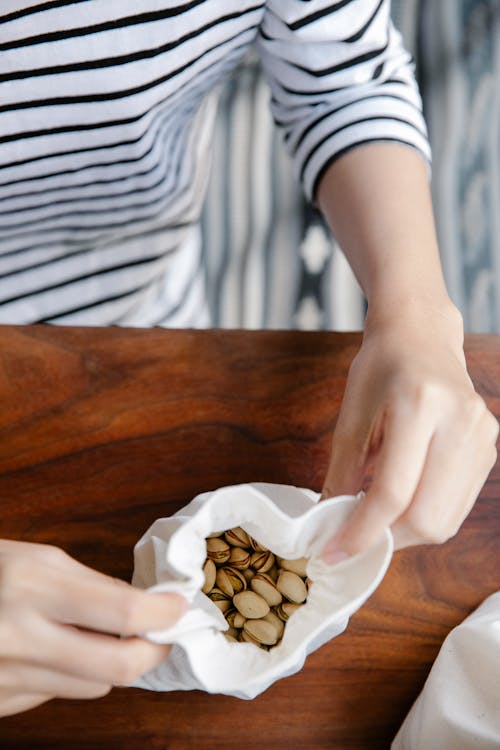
{"points": [[411, 430], [377, 202]]}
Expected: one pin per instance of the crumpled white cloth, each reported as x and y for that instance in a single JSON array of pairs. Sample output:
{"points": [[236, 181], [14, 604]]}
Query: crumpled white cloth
{"points": [[459, 706], [290, 522]]}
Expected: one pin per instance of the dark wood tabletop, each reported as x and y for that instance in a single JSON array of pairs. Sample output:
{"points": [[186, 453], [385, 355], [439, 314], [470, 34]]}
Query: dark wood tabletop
{"points": [[104, 430]]}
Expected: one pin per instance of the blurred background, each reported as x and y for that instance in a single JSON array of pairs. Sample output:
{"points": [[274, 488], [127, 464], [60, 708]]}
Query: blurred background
{"points": [[270, 262]]}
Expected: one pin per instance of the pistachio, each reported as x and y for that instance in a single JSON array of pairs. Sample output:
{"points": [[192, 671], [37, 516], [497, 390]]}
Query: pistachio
{"points": [[273, 572], [230, 615], [286, 610], [244, 580], [222, 604], [264, 585], [209, 572], [297, 566], [230, 580], [220, 600], [216, 595], [223, 582], [235, 619], [237, 537], [262, 631], [246, 638], [262, 561], [251, 605], [291, 586], [273, 618], [239, 558], [256, 546], [218, 550], [249, 574], [239, 620]]}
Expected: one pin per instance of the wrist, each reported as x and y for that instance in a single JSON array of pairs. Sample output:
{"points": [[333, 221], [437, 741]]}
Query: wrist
{"points": [[416, 315]]}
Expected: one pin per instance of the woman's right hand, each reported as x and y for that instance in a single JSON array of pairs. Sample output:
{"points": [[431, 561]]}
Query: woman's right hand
{"points": [[59, 628]]}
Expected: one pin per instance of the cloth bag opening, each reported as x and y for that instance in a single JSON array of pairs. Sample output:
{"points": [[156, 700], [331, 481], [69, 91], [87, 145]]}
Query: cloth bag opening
{"points": [[290, 522]]}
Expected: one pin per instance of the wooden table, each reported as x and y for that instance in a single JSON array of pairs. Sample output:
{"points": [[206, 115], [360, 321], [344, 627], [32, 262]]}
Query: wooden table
{"points": [[102, 431]]}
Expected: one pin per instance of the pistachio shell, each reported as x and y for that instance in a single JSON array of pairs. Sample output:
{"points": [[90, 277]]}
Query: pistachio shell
{"points": [[297, 566], [218, 550], [237, 537], [290, 608], [273, 618], [262, 561], [286, 610], [249, 574], [230, 580], [256, 546], [239, 620], [251, 605], [230, 615], [215, 534], [232, 632], [291, 586], [239, 558], [246, 638], [220, 600], [264, 585], [273, 572], [209, 572], [224, 583], [222, 604], [230, 638], [262, 631], [235, 619], [216, 595]]}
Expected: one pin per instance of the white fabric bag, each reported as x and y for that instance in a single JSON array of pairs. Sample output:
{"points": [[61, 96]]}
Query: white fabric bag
{"points": [[459, 707], [288, 521]]}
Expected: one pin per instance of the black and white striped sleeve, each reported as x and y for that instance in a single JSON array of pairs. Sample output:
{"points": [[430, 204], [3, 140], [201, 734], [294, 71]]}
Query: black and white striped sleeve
{"points": [[340, 77]]}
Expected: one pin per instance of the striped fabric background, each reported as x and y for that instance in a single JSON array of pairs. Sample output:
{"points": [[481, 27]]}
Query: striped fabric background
{"points": [[269, 259], [456, 44], [459, 61], [255, 211]]}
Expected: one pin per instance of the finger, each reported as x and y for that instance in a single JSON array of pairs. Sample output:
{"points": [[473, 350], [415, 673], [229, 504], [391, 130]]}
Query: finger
{"points": [[403, 450], [69, 592], [95, 657], [39, 553], [103, 604], [345, 470], [447, 491], [14, 703], [21, 676]]}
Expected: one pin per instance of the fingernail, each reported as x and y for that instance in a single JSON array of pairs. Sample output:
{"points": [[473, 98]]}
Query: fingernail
{"points": [[333, 556]]}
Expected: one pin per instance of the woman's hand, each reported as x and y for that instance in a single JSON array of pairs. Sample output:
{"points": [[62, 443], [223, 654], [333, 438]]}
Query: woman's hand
{"points": [[411, 426], [59, 623], [412, 429]]}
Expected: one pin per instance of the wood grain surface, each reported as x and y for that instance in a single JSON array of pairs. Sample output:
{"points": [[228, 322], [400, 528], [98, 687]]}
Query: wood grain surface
{"points": [[104, 430]]}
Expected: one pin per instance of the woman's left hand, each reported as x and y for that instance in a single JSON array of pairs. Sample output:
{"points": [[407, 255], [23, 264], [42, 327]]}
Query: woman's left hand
{"points": [[414, 430]]}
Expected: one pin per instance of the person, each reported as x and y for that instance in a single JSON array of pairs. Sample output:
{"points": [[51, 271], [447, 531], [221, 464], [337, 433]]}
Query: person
{"points": [[106, 114]]}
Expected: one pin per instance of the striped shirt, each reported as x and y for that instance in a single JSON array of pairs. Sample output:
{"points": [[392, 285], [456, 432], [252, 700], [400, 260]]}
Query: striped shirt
{"points": [[106, 116]]}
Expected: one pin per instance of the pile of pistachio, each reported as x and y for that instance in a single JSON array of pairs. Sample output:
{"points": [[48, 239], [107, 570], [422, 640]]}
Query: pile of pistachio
{"points": [[255, 590]]}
